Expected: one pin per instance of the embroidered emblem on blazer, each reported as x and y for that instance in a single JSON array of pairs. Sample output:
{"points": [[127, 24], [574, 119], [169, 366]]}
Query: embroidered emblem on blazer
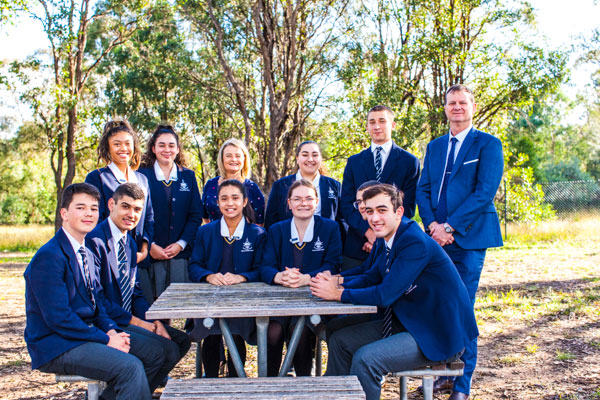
{"points": [[318, 245], [247, 246], [183, 187], [331, 193]]}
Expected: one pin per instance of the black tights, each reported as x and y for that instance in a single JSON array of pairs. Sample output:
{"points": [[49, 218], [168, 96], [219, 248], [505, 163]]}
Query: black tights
{"points": [[304, 352], [211, 355]]}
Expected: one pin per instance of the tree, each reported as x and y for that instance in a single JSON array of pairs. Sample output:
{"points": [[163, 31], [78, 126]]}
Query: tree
{"points": [[73, 60], [275, 57]]}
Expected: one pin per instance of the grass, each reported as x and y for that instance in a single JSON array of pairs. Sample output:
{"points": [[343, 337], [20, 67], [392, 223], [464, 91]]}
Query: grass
{"points": [[564, 356], [581, 227], [28, 238]]}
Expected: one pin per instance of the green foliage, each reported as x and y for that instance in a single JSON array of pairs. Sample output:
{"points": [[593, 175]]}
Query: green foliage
{"points": [[569, 170], [524, 198]]}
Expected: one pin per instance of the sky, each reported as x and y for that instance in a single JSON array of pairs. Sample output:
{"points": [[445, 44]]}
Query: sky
{"points": [[560, 25]]}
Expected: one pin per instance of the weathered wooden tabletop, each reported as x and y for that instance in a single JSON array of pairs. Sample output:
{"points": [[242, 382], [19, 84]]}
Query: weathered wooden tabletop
{"points": [[256, 299]]}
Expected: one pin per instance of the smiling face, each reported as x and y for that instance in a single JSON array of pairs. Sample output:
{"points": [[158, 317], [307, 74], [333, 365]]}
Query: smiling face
{"points": [[381, 216], [233, 160], [361, 203], [81, 216], [165, 149], [309, 160], [126, 212], [303, 201], [231, 202], [459, 108], [120, 147], [380, 125]]}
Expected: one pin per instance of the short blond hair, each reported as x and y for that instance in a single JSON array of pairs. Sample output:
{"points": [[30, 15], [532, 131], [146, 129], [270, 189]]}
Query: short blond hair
{"points": [[240, 145]]}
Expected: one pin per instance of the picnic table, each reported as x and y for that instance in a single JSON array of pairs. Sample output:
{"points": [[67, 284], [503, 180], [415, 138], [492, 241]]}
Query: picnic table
{"points": [[254, 299]]}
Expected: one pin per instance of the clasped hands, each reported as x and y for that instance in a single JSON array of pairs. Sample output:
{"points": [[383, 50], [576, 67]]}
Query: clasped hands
{"points": [[226, 279], [439, 234], [326, 286], [291, 277], [167, 253]]}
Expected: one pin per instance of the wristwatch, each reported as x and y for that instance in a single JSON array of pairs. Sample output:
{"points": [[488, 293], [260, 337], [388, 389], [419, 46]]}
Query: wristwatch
{"points": [[448, 228]]}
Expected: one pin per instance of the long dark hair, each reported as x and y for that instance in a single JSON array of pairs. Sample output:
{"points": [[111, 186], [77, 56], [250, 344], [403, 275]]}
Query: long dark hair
{"points": [[247, 212], [111, 128], [149, 157]]}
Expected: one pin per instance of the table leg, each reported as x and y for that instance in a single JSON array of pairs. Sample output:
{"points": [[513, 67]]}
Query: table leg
{"points": [[291, 350], [233, 353], [262, 324]]}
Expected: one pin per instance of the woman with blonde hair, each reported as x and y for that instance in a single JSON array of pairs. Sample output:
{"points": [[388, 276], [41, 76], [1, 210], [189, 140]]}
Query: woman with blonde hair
{"points": [[233, 162]]}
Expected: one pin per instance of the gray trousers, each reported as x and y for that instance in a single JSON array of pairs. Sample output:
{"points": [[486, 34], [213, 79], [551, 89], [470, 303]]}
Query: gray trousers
{"points": [[361, 350], [160, 274]]}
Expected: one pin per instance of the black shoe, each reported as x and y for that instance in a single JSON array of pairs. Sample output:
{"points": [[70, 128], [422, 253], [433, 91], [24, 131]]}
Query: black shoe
{"points": [[440, 385]]}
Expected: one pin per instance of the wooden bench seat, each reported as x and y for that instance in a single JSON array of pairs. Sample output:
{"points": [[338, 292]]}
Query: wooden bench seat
{"points": [[306, 387], [455, 368]]}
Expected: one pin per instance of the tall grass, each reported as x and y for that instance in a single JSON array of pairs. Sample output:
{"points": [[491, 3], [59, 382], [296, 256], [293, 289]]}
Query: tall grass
{"points": [[24, 238], [581, 227]]}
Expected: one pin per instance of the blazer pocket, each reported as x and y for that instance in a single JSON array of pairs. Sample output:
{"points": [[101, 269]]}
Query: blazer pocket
{"points": [[471, 161]]}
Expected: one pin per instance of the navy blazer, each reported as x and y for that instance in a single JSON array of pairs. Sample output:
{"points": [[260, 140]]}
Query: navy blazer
{"points": [[107, 183], [323, 253], [425, 291], [211, 209], [60, 313], [100, 243], [366, 265], [186, 209], [278, 210], [208, 252], [401, 169], [472, 185]]}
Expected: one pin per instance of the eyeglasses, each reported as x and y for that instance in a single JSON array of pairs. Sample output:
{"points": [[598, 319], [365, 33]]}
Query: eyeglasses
{"points": [[300, 200], [357, 203]]}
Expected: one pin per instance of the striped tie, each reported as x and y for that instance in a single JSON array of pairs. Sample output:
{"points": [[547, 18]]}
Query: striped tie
{"points": [[87, 277], [378, 163], [124, 278], [387, 314], [441, 211]]}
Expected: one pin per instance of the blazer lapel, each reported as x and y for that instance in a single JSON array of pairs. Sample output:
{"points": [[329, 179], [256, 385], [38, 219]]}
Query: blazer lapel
{"points": [[368, 164], [390, 163], [324, 198], [69, 252], [464, 149], [112, 261]]}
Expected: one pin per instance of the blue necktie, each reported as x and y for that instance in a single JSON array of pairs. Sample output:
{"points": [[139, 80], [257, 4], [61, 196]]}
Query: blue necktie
{"points": [[378, 163], [124, 276], [87, 277], [441, 212], [387, 313]]}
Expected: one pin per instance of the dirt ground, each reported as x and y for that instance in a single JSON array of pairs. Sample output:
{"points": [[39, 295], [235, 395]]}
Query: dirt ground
{"points": [[538, 312]]}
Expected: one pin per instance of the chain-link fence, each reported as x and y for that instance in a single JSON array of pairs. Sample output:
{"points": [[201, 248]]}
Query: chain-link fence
{"points": [[572, 196]]}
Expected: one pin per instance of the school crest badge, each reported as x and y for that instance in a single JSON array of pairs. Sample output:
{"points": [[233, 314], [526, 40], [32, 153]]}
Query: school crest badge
{"points": [[184, 187], [318, 245], [247, 247], [331, 193]]}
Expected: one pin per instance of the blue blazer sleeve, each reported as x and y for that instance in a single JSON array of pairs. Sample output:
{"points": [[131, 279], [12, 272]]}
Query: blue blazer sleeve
{"points": [[273, 205], [257, 200], [423, 193], [253, 274], [45, 277], [195, 213], [332, 259], [270, 265], [349, 188], [198, 268], [93, 178], [403, 272]]}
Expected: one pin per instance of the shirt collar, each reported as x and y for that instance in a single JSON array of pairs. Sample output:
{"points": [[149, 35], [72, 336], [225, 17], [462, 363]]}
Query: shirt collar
{"points": [[315, 181], [116, 233], [308, 235], [74, 243], [160, 176], [460, 136], [387, 146], [121, 176], [390, 243], [239, 229]]}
